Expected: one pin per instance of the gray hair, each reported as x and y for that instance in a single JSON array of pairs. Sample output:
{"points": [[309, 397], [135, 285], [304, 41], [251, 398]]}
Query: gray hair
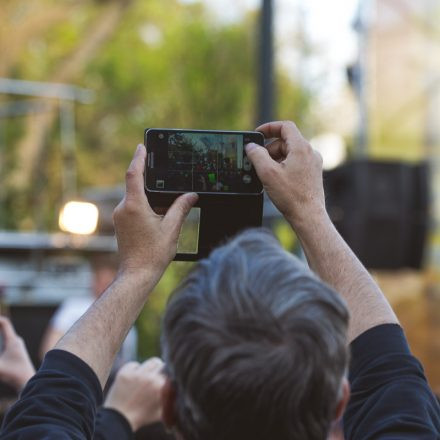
{"points": [[255, 345]]}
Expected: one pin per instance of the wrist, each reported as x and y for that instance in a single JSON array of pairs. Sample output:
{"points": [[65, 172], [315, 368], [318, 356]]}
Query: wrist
{"points": [[133, 421], [145, 277], [309, 220], [124, 414]]}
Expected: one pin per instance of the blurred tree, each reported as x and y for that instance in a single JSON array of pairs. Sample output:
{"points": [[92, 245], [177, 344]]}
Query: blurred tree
{"points": [[66, 66], [151, 63], [22, 21]]}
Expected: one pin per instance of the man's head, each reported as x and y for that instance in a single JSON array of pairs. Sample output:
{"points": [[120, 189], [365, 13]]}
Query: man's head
{"points": [[255, 346]]}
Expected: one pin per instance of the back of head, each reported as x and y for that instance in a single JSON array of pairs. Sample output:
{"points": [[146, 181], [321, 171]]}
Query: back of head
{"points": [[255, 345]]}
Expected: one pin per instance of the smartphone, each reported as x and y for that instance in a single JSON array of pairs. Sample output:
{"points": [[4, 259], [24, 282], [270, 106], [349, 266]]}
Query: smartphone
{"points": [[202, 161]]}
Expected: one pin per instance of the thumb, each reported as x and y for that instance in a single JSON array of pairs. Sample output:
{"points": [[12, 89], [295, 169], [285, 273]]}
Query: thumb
{"points": [[178, 211], [260, 158]]}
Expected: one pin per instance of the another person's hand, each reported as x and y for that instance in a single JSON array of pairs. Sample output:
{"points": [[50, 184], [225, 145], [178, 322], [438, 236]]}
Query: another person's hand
{"points": [[147, 241], [290, 170], [136, 392], [15, 365]]}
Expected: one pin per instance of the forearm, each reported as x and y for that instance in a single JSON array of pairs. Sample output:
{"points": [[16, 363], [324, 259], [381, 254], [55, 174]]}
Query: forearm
{"points": [[98, 335], [147, 243], [291, 172], [335, 263]]}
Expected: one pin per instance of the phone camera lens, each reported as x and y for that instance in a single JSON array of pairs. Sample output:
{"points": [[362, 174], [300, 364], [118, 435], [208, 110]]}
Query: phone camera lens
{"points": [[161, 136]]}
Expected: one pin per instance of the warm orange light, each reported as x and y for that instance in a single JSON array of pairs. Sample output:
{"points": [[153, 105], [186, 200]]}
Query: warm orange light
{"points": [[78, 218]]}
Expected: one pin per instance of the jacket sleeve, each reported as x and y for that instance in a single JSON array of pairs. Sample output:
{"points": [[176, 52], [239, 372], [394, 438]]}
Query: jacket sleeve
{"points": [[111, 424], [59, 402], [390, 396]]}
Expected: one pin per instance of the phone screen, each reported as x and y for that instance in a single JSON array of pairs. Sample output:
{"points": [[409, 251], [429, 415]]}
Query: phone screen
{"points": [[200, 161]]}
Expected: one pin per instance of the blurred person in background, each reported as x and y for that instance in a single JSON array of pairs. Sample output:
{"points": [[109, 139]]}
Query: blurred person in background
{"points": [[133, 400], [104, 269], [16, 367], [255, 345]]}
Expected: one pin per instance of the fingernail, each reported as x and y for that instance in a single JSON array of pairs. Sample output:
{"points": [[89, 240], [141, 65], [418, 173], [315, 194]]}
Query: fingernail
{"points": [[193, 197], [139, 147], [251, 146]]}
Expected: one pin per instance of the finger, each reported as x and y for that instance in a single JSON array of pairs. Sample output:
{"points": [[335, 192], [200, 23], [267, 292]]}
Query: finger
{"points": [[129, 367], [277, 149], [260, 158], [286, 130], [134, 177], [154, 365], [7, 329], [178, 212], [276, 129]]}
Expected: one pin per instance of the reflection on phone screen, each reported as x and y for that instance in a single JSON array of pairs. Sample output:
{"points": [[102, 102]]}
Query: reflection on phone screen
{"points": [[201, 162], [189, 235]]}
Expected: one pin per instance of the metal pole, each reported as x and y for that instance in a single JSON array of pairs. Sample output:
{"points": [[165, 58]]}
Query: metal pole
{"points": [[67, 125], [22, 108], [2, 155], [45, 90], [266, 84], [432, 127], [362, 26]]}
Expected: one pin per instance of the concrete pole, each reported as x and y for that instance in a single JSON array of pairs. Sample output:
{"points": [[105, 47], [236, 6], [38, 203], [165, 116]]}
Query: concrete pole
{"points": [[362, 26]]}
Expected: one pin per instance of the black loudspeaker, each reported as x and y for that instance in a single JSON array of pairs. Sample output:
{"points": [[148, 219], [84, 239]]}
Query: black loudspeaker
{"points": [[30, 322], [381, 210]]}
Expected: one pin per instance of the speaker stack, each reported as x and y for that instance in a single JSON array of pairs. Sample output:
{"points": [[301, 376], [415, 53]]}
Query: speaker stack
{"points": [[381, 210]]}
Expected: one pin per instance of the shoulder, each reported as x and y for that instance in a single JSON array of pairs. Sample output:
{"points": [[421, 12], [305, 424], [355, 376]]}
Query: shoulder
{"points": [[390, 396]]}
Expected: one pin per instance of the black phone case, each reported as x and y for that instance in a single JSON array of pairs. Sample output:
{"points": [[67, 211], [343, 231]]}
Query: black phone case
{"points": [[221, 217]]}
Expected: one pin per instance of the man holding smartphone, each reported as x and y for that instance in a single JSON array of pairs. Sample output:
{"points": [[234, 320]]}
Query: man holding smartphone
{"points": [[284, 316]]}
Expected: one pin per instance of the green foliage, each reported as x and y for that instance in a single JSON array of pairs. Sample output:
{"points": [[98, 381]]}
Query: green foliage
{"points": [[166, 64], [284, 232], [294, 101], [195, 75], [148, 323]]}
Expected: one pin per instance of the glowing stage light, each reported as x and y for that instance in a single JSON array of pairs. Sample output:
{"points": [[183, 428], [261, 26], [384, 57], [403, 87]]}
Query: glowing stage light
{"points": [[78, 218]]}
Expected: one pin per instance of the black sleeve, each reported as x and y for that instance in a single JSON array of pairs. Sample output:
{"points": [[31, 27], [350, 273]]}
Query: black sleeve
{"points": [[111, 424], [390, 396], [59, 402]]}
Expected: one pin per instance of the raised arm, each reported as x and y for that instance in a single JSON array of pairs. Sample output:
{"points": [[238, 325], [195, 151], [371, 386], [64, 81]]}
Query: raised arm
{"points": [[291, 172], [147, 242]]}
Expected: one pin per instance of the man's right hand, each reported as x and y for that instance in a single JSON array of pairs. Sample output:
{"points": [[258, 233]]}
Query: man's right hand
{"points": [[290, 170], [146, 241]]}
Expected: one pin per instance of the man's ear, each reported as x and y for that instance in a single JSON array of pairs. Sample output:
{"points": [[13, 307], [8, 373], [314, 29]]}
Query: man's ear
{"points": [[343, 400], [169, 404]]}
